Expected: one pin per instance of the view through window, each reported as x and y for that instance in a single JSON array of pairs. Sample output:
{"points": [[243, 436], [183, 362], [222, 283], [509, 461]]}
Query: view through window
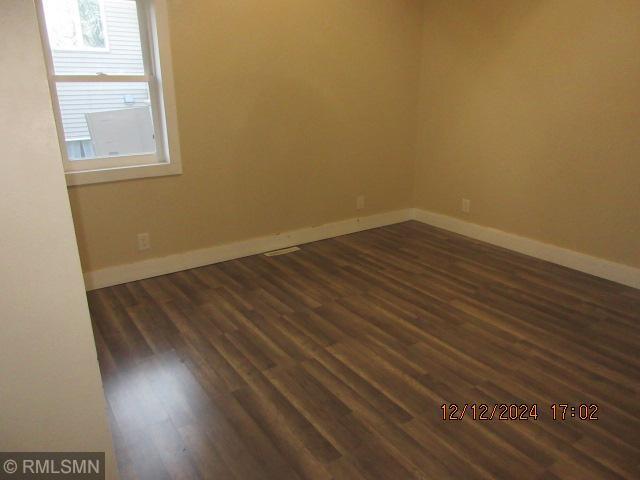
{"points": [[105, 86]]}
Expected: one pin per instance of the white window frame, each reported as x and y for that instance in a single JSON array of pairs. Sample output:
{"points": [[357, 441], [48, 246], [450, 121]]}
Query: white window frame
{"points": [[154, 35]]}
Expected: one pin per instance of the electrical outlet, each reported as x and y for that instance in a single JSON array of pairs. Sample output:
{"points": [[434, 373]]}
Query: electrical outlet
{"points": [[144, 242], [360, 202], [466, 205]]}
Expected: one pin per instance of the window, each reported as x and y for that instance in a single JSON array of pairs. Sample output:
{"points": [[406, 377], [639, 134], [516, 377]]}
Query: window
{"points": [[111, 86]]}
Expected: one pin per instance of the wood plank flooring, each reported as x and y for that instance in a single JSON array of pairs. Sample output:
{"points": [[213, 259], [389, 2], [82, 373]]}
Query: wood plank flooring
{"points": [[334, 362]]}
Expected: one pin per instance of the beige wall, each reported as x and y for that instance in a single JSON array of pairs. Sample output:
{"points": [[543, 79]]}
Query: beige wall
{"points": [[531, 109], [50, 391], [288, 109]]}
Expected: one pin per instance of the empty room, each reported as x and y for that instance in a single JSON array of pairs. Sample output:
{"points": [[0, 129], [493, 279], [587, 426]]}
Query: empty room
{"points": [[320, 239]]}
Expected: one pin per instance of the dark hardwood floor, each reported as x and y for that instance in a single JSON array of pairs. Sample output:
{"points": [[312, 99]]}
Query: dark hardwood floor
{"points": [[335, 361]]}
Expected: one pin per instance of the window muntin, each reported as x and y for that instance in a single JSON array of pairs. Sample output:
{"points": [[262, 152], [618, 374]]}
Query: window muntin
{"points": [[108, 99]]}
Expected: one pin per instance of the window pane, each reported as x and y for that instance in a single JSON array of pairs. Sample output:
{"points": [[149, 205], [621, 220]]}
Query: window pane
{"points": [[106, 119], [89, 37], [63, 24]]}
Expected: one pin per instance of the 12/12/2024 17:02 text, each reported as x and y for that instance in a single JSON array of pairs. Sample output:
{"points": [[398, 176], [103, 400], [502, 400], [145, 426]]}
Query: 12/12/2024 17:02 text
{"points": [[514, 411]]}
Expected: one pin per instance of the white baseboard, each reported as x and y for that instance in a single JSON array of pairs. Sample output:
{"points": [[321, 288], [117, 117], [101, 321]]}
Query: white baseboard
{"points": [[153, 267], [616, 272], [197, 258]]}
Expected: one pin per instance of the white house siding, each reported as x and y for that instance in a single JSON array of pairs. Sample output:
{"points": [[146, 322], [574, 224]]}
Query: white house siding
{"points": [[123, 56]]}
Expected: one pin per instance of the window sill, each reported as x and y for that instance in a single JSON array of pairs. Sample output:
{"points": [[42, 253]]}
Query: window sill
{"points": [[106, 175]]}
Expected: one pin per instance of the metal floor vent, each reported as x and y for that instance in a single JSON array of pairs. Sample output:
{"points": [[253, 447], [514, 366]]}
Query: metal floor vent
{"points": [[284, 251]]}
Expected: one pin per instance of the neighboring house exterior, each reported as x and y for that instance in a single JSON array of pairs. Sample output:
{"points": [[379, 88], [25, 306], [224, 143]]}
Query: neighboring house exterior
{"points": [[101, 37]]}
